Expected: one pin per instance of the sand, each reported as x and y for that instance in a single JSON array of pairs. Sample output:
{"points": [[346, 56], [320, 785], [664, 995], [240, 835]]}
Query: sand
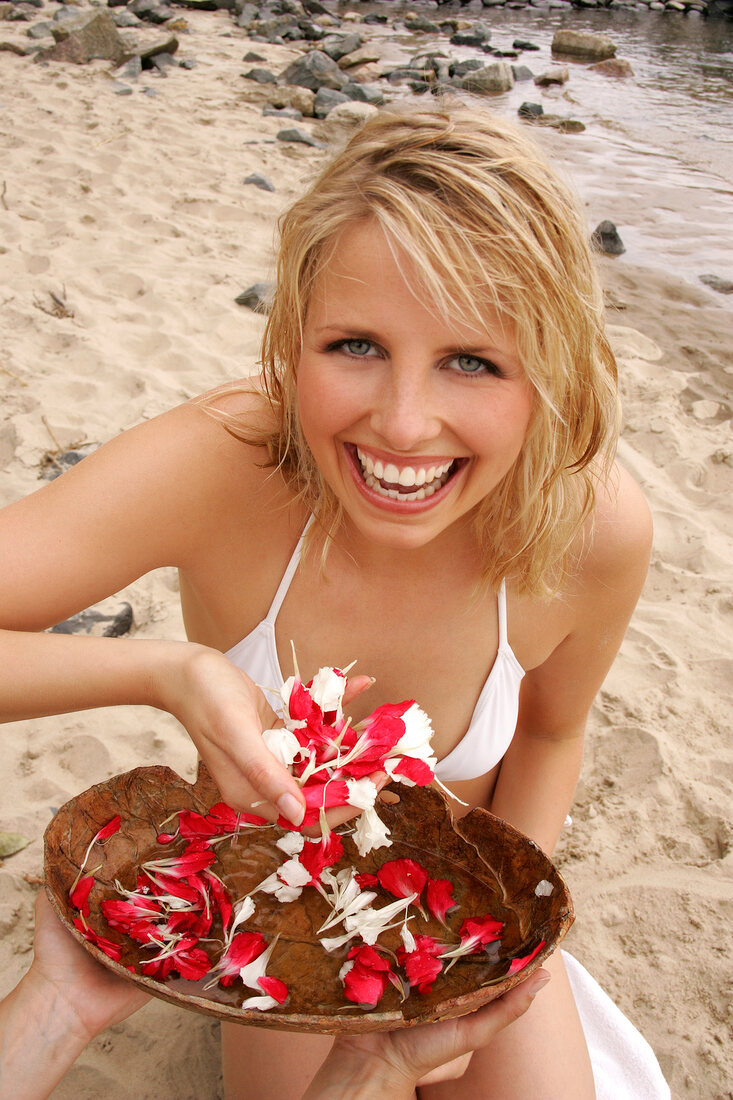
{"points": [[132, 212]]}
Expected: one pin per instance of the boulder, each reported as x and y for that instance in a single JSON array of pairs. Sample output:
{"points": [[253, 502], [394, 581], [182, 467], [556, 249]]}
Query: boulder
{"points": [[556, 75], [97, 38], [300, 137], [314, 70], [605, 238], [257, 297], [338, 45], [262, 76], [289, 95], [613, 66], [343, 120], [583, 44], [258, 180], [530, 111], [364, 93], [326, 100], [497, 76]]}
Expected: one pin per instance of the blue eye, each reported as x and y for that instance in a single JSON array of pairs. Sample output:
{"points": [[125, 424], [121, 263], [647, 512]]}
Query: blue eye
{"points": [[473, 366], [357, 347]]}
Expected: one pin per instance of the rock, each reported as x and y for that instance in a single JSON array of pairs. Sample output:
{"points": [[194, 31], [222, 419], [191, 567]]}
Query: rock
{"points": [[613, 66], [257, 297], [460, 68], [159, 62], [584, 44], [531, 110], [40, 30], [522, 73], [126, 19], [563, 125], [121, 89], [132, 70], [288, 95], [470, 38], [494, 77], [605, 238], [187, 63], [262, 76], [252, 56], [107, 623], [520, 44], [555, 75], [315, 70], [422, 25], [373, 18], [723, 286], [151, 11], [362, 56], [364, 93], [97, 38], [298, 136], [246, 14], [326, 100], [260, 181], [163, 45], [344, 119], [339, 45], [291, 113]]}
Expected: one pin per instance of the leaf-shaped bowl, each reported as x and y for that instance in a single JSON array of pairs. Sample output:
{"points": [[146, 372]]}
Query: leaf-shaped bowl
{"points": [[494, 869]]}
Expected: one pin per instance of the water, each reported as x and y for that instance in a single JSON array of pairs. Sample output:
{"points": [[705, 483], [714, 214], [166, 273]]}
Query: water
{"points": [[657, 153]]}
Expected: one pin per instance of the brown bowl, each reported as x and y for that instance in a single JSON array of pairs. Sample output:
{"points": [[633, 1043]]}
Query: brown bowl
{"points": [[494, 869]]}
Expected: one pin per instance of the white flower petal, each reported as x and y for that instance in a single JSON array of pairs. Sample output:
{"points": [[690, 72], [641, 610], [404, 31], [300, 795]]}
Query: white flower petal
{"points": [[263, 1003], [243, 910], [293, 873], [362, 793], [408, 939], [370, 832], [283, 745], [291, 843], [327, 690], [256, 969], [543, 889]]}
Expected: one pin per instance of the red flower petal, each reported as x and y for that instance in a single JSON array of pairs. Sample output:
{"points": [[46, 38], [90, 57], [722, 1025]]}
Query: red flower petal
{"points": [[316, 855], [113, 950], [221, 898], [367, 881], [521, 961], [244, 947], [79, 896], [364, 986], [417, 770], [421, 965], [481, 930], [274, 988], [193, 964], [439, 897], [193, 826], [109, 829], [402, 877]]}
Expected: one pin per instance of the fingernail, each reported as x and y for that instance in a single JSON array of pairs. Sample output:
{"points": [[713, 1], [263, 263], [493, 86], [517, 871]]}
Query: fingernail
{"points": [[289, 807], [372, 680], [538, 980]]}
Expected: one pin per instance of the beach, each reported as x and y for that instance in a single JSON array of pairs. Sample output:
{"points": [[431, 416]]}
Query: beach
{"points": [[126, 233]]}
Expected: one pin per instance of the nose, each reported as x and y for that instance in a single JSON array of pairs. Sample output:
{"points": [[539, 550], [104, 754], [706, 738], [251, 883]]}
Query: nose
{"points": [[405, 413]]}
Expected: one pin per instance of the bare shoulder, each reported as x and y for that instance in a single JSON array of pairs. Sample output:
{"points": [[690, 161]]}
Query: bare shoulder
{"points": [[619, 537], [146, 499]]}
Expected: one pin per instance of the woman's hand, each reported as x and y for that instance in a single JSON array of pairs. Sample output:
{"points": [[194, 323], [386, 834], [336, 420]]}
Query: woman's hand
{"points": [[393, 1063], [225, 714], [94, 997]]}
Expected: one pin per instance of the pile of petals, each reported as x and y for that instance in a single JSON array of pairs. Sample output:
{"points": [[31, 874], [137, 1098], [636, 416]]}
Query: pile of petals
{"points": [[179, 902]]}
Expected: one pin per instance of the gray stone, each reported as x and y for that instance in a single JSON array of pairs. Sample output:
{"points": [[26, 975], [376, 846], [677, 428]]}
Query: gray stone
{"points": [[291, 113], [188, 63], [364, 93], [326, 100], [54, 464], [98, 623], [473, 37], [422, 25], [522, 73], [584, 44], [151, 11], [338, 45], [258, 180], [252, 56], [132, 70], [723, 286], [121, 89], [460, 68], [315, 70], [497, 76], [605, 238], [262, 76], [298, 136], [530, 111], [126, 19], [520, 44], [98, 38], [163, 45], [257, 297], [40, 30], [246, 13]]}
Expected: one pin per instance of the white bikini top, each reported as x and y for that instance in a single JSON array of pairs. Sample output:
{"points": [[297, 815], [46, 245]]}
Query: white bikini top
{"points": [[494, 718]]}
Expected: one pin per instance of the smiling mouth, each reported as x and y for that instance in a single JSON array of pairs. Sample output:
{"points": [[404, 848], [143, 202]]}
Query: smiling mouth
{"points": [[405, 482]]}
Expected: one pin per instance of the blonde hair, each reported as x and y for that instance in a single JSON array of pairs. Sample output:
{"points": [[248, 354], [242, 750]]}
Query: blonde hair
{"points": [[486, 223]]}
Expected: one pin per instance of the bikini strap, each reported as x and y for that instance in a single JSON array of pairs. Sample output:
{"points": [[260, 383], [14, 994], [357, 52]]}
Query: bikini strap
{"points": [[501, 607], [282, 589]]}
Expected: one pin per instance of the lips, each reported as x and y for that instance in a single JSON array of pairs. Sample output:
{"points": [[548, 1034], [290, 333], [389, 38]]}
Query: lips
{"points": [[406, 482]]}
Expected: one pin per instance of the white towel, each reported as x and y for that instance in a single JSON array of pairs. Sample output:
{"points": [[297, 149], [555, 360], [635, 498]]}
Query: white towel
{"points": [[624, 1065]]}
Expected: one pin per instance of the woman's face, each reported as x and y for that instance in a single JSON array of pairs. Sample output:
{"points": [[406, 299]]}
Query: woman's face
{"points": [[411, 420]]}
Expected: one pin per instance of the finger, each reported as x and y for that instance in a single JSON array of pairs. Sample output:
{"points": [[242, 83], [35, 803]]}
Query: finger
{"points": [[356, 685], [479, 1028], [255, 779]]}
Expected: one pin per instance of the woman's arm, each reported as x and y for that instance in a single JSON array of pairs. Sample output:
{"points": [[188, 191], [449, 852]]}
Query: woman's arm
{"points": [[540, 770], [145, 500]]}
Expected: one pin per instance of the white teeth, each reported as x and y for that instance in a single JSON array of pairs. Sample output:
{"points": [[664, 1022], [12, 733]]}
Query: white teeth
{"points": [[416, 483]]}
